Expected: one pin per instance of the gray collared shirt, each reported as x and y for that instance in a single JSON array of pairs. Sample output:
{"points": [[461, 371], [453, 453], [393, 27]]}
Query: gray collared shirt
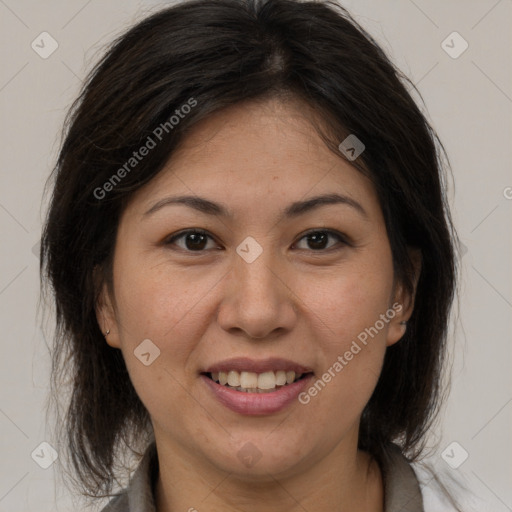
{"points": [[401, 487]]}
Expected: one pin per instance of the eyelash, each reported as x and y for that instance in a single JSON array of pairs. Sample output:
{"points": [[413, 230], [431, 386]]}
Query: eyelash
{"points": [[341, 238]]}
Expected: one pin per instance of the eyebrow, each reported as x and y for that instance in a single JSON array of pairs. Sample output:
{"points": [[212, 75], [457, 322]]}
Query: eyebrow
{"points": [[294, 210]]}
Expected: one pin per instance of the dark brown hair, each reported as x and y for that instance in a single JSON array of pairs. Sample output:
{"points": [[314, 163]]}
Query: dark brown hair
{"points": [[220, 53]]}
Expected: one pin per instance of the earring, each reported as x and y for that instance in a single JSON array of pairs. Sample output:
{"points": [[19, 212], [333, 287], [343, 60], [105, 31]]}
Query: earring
{"points": [[107, 333]]}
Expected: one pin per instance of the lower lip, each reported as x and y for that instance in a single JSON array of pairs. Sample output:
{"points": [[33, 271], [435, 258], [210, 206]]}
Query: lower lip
{"points": [[257, 403]]}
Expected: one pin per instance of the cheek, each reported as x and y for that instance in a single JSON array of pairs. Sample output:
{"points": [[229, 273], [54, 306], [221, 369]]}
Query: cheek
{"points": [[351, 358], [348, 303], [158, 303], [351, 313], [165, 308]]}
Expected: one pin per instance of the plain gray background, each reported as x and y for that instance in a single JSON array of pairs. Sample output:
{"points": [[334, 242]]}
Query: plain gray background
{"points": [[469, 102]]}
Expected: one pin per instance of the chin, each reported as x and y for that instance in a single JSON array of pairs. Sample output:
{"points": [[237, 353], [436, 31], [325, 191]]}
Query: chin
{"points": [[256, 457]]}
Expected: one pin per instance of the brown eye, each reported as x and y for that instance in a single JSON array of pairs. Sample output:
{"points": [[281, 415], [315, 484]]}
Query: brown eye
{"points": [[318, 240], [194, 240]]}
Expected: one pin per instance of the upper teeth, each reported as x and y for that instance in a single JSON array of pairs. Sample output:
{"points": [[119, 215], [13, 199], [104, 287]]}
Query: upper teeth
{"points": [[254, 381]]}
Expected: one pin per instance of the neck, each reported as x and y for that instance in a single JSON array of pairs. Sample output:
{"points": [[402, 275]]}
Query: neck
{"points": [[347, 480]]}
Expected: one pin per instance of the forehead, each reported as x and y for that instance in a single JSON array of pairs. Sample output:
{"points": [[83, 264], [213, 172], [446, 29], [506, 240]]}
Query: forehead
{"points": [[256, 154]]}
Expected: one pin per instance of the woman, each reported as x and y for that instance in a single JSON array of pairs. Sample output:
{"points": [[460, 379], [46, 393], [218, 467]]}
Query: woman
{"points": [[253, 265]]}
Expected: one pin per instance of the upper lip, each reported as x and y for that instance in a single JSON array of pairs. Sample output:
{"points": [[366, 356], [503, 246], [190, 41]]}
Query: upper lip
{"points": [[271, 364]]}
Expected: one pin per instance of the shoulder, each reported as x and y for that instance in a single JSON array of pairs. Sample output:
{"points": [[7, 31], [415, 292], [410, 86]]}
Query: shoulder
{"points": [[444, 490], [118, 504], [435, 497], [138, 496], [424, 486], [402, 490]]}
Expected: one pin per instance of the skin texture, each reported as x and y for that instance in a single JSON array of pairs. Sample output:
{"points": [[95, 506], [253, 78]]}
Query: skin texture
{"points": [[294, 301]]}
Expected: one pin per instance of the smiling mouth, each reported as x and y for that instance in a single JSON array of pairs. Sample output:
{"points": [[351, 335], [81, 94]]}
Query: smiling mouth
{"points": [[252, 382]]}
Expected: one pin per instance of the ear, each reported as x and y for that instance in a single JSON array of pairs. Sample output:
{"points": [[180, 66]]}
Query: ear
{"points": [[403, 302], [105, 312]]}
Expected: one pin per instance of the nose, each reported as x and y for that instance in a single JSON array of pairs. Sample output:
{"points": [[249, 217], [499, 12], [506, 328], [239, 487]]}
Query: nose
{"points": [[258, 299]]}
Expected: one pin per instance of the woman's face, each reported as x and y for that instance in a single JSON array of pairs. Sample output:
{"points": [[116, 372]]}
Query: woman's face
{"points": [[275, 284]]}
